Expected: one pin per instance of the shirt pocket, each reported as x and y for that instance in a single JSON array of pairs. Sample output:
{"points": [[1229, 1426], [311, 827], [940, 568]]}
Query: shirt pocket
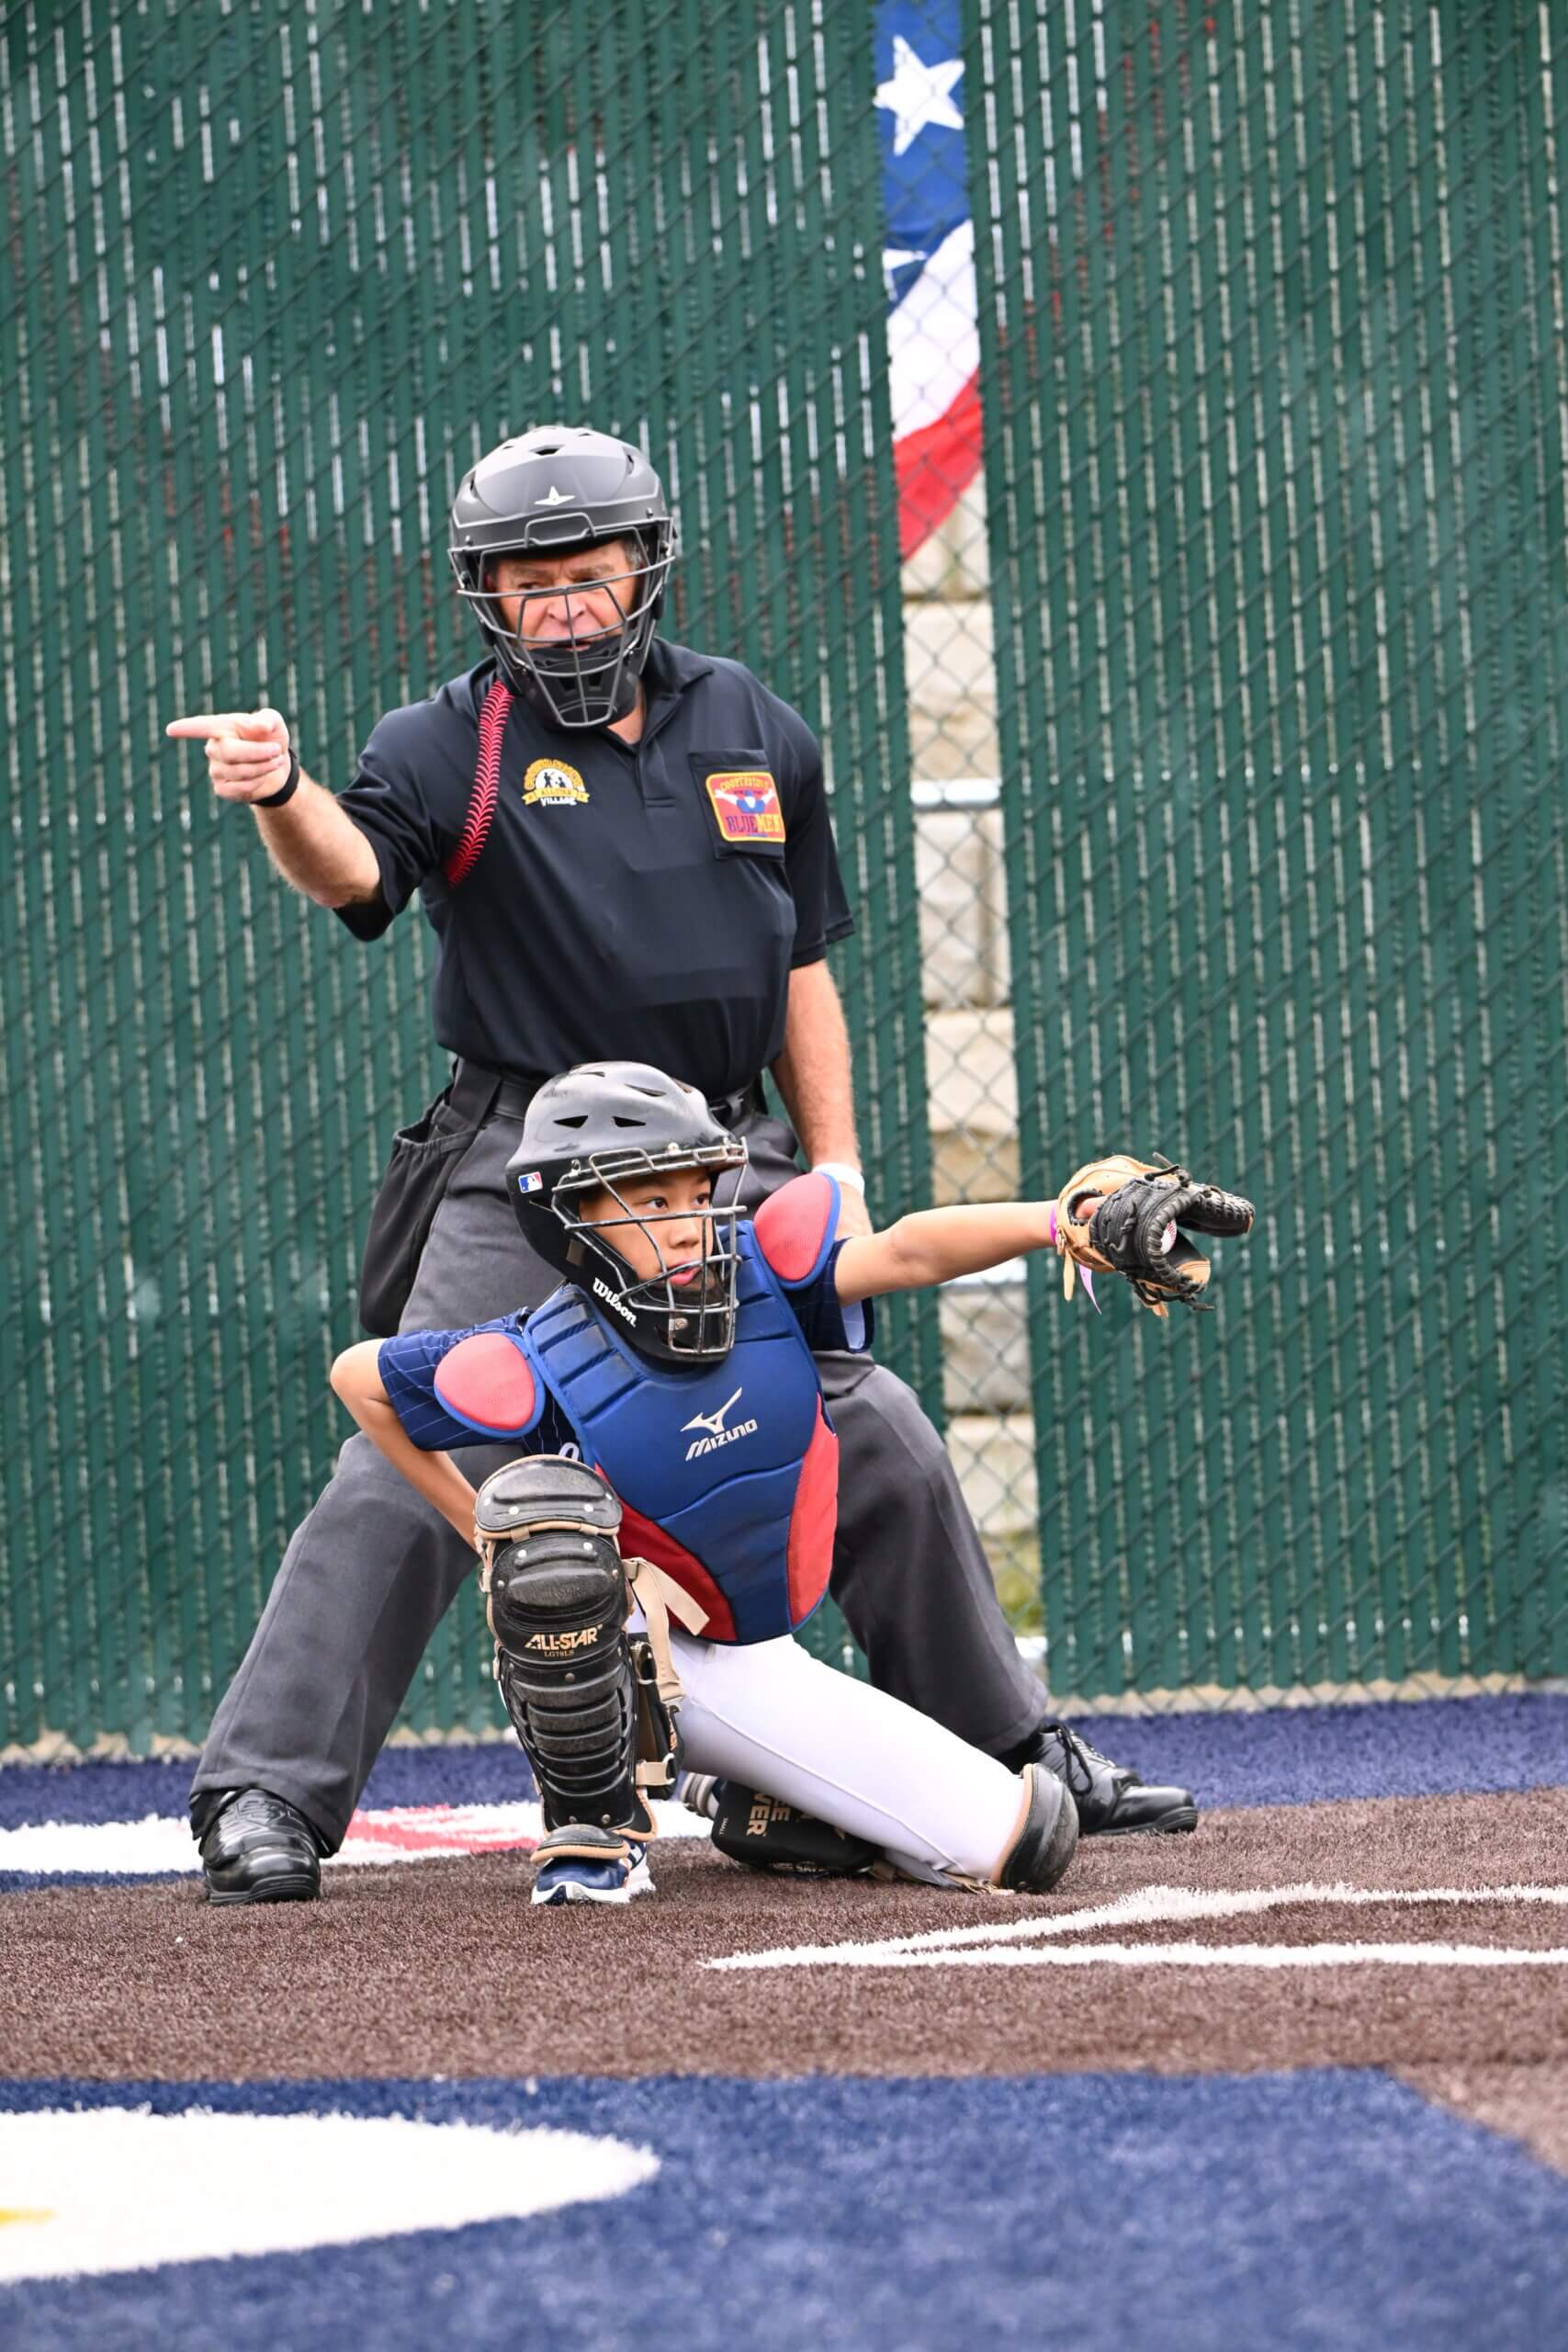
{"points": [[740, 802]]}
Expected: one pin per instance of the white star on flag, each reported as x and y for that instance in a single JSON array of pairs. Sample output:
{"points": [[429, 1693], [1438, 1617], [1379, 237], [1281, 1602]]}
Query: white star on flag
{"points": [[919, 94], [893, 260]]}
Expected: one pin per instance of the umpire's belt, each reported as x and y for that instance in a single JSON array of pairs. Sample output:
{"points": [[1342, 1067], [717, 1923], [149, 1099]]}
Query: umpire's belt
{"points": [[479, 1093]]}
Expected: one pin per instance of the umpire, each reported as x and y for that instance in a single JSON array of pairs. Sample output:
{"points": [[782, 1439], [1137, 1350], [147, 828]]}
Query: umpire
{"points": [[624, 849]]}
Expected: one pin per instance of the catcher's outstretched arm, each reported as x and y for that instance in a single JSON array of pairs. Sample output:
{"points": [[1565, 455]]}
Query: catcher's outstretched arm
{"points": [[1117, 1215], [933, 1246]]}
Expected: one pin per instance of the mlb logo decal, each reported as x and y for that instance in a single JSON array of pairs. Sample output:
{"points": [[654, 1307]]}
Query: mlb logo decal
{"points": [[746, 804], [532, 1182]]}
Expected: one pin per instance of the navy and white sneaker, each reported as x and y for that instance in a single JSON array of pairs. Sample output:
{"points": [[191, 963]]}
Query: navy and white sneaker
{"points": [[584, 1865]]}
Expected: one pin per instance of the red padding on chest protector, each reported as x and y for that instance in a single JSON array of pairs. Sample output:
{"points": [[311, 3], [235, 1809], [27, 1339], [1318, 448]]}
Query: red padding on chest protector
{"points": [[488, 1382], [793, 1227], [814, 1522], [643, 1539]]}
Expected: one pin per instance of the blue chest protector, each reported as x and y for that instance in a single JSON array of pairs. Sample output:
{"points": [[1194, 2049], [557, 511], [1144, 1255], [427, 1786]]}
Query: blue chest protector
{"points": [[728, 1476]]}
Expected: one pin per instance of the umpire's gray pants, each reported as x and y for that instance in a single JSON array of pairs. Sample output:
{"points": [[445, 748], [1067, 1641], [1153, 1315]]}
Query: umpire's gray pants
{"points": [[372, 1570]]}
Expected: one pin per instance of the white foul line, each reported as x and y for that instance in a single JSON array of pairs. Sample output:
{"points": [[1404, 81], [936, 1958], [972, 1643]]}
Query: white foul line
{"points": [[1221, 1956], [995, 1944]]}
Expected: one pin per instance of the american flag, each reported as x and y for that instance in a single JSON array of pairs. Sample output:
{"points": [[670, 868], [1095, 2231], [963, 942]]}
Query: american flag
{"points": [[933, 344]]}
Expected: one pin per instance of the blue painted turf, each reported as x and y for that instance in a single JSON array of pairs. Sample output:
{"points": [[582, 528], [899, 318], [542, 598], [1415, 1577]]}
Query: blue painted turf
{"points": [[1286, 1755], [1105, 2213], [1308, 1755]]}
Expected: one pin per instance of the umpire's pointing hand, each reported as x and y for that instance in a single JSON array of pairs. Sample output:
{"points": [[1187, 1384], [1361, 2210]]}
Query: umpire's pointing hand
{"points": [[247, 751]]}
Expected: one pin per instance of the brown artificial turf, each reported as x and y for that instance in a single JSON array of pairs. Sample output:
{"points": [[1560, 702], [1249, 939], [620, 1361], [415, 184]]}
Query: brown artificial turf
{"points": [[1530, 2103], [443, 1968]]}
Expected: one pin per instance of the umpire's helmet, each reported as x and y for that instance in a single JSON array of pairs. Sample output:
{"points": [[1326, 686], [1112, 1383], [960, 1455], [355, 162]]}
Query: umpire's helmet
{"points": [[555, 492], [591, 1129]]}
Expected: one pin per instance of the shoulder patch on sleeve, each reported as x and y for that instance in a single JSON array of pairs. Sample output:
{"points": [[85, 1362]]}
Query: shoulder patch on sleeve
{"points": [[796, 1228], [488, 1384]]}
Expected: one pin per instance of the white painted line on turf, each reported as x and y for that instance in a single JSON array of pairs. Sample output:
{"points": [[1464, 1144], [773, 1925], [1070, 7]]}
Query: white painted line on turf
{"points": [[118, 2189], [1411, 1955], [159, 1845], [995, 1943]]}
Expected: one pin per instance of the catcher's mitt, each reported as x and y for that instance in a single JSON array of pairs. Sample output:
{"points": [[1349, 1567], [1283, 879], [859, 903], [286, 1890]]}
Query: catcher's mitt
{"points": [[1139, 1230]]}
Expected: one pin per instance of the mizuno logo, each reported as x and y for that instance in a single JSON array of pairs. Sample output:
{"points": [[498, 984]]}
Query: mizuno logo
{"points": [[603, 1290], [713, 1422], [718, 1434]]}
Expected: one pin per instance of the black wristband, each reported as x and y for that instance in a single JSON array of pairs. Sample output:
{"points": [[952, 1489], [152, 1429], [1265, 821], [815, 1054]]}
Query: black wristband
{"points": [[287, 789]]}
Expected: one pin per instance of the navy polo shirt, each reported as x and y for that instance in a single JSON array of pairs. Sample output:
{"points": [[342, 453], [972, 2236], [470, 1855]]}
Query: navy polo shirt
{"points": [[640, 900]]}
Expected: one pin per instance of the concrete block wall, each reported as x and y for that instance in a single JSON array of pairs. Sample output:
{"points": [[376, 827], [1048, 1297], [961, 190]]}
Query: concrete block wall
{"points": [[964, 917], [974, 1104]]}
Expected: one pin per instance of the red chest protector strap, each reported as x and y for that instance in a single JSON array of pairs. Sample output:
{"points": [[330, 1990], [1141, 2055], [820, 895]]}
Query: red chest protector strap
{"points": [[493, 712]]}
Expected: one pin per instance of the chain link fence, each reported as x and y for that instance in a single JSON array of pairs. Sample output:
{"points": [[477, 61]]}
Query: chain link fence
{"points": [[277, 276], [1135, 438], [1260, 632]]}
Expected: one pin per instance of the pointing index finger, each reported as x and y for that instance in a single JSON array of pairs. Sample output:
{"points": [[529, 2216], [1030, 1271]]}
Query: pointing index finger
{"points": [[205, 723]]}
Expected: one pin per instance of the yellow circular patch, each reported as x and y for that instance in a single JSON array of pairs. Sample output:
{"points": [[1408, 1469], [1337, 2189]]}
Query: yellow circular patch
{"points": [[551, 783]]}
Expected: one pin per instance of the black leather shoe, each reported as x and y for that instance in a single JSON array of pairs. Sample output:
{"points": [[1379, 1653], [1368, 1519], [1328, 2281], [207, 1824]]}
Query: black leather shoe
{"points": [[1113, 1801], [259, 1850]]}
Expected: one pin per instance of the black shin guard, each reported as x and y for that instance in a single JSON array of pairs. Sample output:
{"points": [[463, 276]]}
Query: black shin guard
{"points": [[557, 1603]]}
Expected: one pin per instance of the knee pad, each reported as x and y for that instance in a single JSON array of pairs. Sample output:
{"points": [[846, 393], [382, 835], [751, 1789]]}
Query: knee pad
{"points": [[1046, 1837], [556, 1598], [768, 1835]]}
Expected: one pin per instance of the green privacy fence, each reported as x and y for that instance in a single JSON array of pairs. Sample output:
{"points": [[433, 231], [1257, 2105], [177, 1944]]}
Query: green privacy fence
{"points": [[1251, 846], [275, 276], [1275, 386]]}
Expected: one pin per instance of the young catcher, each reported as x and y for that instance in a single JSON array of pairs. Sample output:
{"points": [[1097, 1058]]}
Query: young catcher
{"points": [[678, 1463]]}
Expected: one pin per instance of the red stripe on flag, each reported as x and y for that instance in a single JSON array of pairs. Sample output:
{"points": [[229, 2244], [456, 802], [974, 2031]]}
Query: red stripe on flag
{"points": [[935, 465]]}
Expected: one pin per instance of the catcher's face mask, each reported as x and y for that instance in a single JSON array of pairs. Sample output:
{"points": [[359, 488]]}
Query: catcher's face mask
{"points": [[573, 629], [548, 497], [667, 1254]]}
